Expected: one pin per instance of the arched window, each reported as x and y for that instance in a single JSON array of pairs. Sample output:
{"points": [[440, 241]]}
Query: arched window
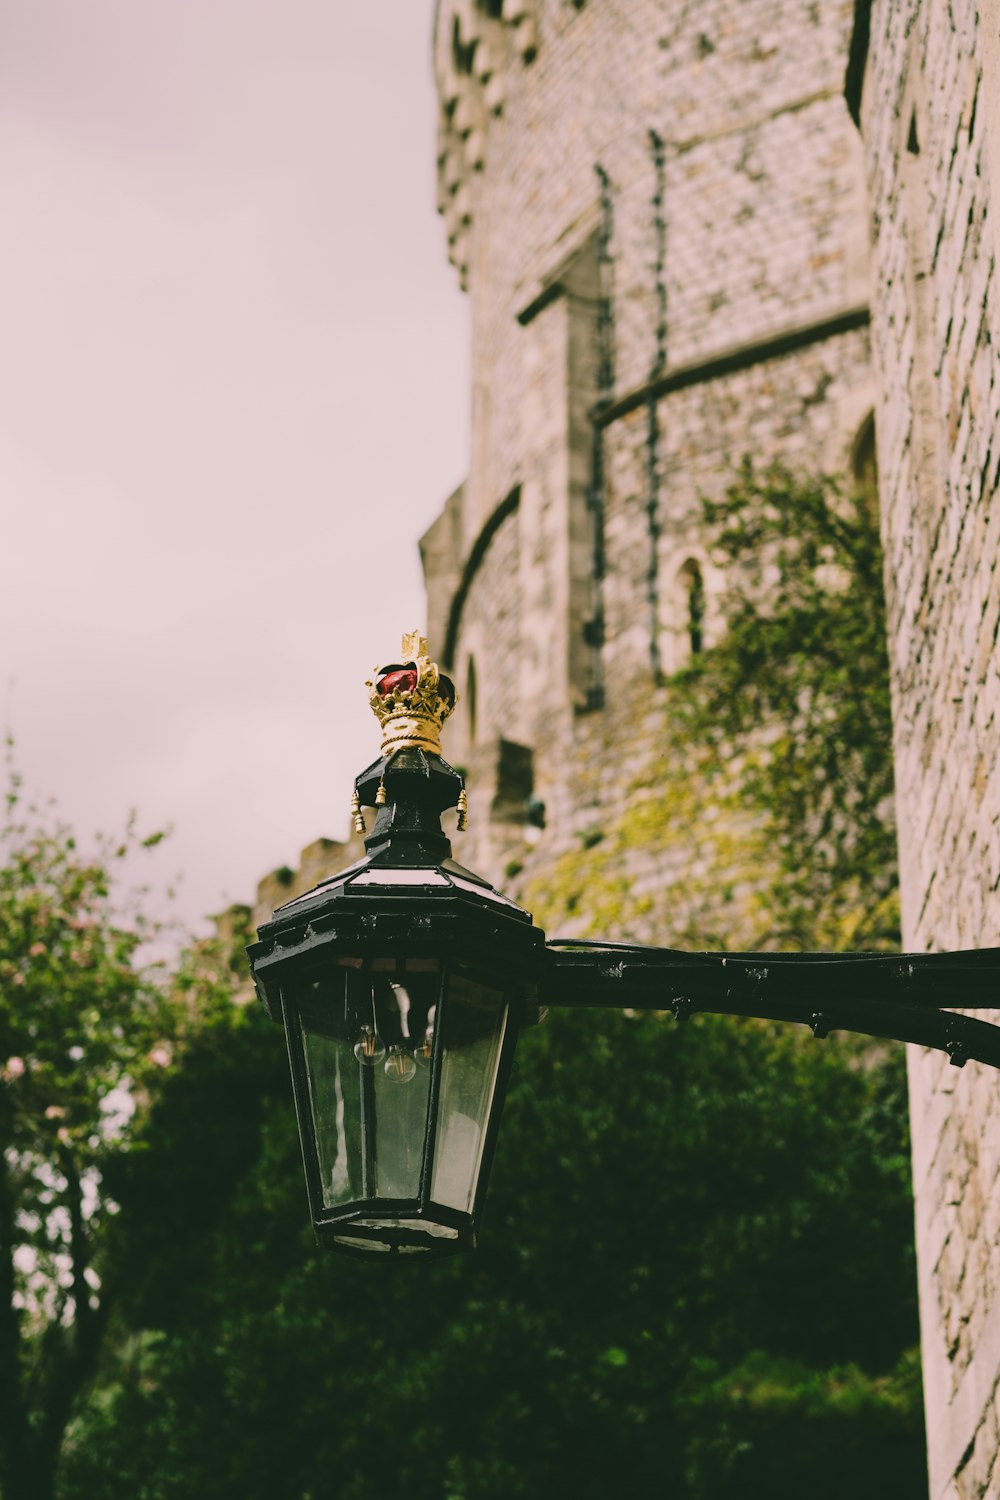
{"points": [[689, 622], [693, 585], [470, 697], [864, 464]]}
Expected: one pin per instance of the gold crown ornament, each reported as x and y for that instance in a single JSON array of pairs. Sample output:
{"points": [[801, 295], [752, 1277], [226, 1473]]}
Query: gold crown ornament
{"points": [[411, 698]]}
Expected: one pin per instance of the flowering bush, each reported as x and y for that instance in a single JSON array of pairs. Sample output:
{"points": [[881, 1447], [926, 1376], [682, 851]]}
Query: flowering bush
{"points": [[84, 1031]]}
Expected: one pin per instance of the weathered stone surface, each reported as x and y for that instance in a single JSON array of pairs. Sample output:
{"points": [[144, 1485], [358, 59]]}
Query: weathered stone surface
{"points": [[664, 246], [929, 128]]}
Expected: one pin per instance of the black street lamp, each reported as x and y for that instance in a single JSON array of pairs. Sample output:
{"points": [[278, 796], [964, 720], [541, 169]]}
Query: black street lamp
{"points": [[402, 984]]}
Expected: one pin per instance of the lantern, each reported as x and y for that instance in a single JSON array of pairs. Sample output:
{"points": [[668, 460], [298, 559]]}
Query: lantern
{"points": [[402, 984]]}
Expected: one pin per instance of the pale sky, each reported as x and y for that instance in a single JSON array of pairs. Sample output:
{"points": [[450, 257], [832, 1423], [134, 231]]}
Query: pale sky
{"points": [[233, 393]]}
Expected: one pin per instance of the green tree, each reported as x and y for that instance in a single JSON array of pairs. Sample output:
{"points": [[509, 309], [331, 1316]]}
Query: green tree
{"points": [[83, 1032], [696, 1279]]}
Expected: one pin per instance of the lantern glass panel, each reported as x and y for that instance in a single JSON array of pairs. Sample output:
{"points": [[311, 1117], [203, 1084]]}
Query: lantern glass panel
{"points": [[475, 1020], [366, 1046], [334, 1098]]}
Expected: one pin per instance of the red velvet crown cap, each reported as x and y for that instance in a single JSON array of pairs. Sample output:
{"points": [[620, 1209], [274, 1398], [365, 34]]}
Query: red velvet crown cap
{"points": [[397, 679]]}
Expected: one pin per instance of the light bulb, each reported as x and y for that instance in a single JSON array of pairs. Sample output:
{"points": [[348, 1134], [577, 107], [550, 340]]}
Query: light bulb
{"points": [[369, 1047], [399, 1065], [424, 1050]]}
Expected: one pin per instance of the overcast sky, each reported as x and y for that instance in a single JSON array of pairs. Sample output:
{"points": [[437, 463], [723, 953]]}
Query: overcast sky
{"points": [[233, 393]]}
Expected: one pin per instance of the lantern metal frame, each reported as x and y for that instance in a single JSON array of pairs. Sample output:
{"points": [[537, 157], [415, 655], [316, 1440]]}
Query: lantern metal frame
{"points": [[407, 902]]}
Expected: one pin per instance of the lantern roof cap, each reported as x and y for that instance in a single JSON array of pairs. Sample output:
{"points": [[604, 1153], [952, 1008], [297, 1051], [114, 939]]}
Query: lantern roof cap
{"points": [[374, 876]]}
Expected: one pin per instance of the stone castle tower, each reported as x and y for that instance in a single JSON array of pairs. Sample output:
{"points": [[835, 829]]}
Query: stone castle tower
{"points": [[659, 219], [662, 219]]}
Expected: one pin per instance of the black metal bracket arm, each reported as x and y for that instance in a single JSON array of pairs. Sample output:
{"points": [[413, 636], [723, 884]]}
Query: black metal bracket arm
{"points": [[891, 995]]}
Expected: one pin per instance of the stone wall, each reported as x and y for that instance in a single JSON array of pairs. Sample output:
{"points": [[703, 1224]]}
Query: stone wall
{"points": [[926, 115], [660, 225], [760, 187]]}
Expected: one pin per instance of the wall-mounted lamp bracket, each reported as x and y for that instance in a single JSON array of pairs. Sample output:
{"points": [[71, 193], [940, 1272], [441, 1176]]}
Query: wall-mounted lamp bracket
{"points": [[892, 995]]}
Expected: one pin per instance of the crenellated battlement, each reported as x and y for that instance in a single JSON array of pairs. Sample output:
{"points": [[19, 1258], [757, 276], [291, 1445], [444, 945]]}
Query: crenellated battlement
{"points": [[476, 42]]}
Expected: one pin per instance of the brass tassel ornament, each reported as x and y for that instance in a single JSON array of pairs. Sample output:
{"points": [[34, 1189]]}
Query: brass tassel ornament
{"points": [[463, 811], [380, 794], [356, 813]]}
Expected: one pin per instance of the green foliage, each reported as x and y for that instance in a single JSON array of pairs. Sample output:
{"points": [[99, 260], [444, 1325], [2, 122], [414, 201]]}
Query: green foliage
{"points": [[83, 1036], [767, 810], [666, 1200], [753, 1422], [799, 687]]}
